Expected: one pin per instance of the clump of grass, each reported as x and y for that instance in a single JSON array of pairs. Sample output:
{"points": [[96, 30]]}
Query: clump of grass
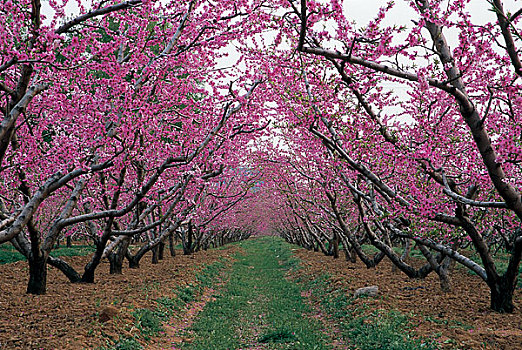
{"points": [[386, 330], [147, 321], [9, 255], [124, 343], [187, 294], [78, 250], [281, 335], [166, 307]]}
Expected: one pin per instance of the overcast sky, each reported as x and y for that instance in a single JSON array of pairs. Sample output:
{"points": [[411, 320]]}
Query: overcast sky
{"points": [[364, 10]]}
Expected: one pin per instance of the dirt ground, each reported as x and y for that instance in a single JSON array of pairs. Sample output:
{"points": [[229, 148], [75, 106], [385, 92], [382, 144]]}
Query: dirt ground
{"points": [[462, 315], [67, 317]]}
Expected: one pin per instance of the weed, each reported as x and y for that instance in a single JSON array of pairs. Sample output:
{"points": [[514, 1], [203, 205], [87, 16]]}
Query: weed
{"points": [[363, 330], [187, 294], [281, 335], [384, 330], [78, 250], [166, 307], [449, 323], [123, 343], [147, 321]]}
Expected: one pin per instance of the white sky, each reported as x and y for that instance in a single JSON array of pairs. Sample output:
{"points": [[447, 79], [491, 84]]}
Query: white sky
{"points": [[363, 10]]}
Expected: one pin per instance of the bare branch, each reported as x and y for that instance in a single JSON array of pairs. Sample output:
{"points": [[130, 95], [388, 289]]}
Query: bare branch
{"points": [[8, 64], [464, 200], [95, 13], [504, 24]]}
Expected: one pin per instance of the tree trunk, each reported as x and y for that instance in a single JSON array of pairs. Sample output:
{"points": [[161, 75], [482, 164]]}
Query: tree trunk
{"points": [[161, 250], [115, 265], [187, 240], [444, 274], [335, 246], [445, 282], [171, 246], [69, 242], [88, 274], [134, 263], [116, 259], [155, 255], [405, 254], [37, 276], [502, 295], [503, 287]]}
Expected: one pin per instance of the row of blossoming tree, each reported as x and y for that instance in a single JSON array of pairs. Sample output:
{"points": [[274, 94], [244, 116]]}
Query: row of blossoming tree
{"points": [[119, 123], [437, 166], [123, 122]]}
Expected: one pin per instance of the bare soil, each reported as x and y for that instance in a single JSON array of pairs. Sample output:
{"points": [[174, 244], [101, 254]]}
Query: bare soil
{"points": [[460, 319], [67, 317]]}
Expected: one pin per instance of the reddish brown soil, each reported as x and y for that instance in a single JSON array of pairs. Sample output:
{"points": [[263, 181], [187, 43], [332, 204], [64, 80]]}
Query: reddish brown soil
{"points": [[177, 329], [462, 315], [67, 317]]}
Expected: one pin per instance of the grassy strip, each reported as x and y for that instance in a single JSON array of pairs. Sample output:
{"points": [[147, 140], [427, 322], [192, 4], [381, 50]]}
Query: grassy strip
{"points": [[258, 306], [8, 253], [360, 327], [149, 321]]}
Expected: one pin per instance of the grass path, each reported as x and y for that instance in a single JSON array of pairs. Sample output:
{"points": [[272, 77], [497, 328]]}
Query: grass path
{"points": [[258, 308]]}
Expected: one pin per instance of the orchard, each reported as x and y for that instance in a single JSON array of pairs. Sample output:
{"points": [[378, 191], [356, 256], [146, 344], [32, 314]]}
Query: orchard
{"points": [[138, 126]]}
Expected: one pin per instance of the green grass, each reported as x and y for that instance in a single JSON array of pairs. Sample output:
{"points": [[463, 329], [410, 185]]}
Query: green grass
{"points": [[449, 323], [149, 321], [123, 343], [258, 305], [281, 335], [360, 327], [8, 253]]}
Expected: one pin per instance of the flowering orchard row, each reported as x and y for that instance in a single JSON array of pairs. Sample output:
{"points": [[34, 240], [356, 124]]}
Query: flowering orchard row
{"points": [[436, 166], [123, 123], [118, 125]]}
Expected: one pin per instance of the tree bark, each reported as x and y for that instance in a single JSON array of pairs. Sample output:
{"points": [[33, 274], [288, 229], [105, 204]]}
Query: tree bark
{"points": [[335, 246], [161, 251], [37, 276], [155, 255], [502, 295], [65, 268], [187, 240], [171, 246], [115, 266], [134, 262], [88, 274]]}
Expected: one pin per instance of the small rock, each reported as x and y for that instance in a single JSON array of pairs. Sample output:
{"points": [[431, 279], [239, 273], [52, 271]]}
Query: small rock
{"points": [[367, 291], [108, 313]]}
